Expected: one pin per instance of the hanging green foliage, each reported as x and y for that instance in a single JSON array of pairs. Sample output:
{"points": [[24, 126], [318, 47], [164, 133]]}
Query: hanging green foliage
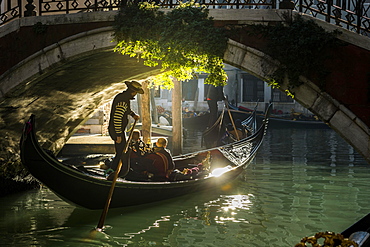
{"points": [[183, 41], [302, 47]]}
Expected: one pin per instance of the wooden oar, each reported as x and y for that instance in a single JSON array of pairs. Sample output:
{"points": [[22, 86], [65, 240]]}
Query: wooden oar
{"points": [[231, 118], [116, 173]]}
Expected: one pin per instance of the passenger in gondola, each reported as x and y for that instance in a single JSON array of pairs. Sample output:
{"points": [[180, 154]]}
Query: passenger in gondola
{"points": [[162, 169], [137, 145], [139, 164], [118, 121], [193, 171], [155, 165]]}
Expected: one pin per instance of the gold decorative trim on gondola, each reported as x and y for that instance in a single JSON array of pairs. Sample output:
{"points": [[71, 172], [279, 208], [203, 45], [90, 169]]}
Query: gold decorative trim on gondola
{"points": [[331, 240]]}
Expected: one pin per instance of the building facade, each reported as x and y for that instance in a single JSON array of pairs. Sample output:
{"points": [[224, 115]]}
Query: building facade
{"points": [[242, 90]]}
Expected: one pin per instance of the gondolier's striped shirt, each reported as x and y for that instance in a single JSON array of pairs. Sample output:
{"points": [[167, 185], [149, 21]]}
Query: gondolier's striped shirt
{"points": [[119, 114]]}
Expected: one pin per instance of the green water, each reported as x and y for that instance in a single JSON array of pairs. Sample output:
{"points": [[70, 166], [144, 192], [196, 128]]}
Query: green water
{"points": [[301, 182]]}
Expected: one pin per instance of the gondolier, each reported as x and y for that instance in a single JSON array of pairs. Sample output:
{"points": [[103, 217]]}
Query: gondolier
{"points": [[214, 94], [118, 121]]}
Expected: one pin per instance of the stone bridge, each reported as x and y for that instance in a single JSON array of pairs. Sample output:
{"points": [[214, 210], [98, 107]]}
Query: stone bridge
{"points": [[63, 73]]}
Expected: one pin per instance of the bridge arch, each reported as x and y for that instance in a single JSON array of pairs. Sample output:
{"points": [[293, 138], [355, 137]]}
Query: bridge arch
{"points": [[44, 84], [309, 95], [66, 47], [89, 51], [77, 44]]}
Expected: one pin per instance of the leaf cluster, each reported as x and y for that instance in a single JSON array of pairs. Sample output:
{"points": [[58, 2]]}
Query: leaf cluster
{"points": [[183, 41], [302, 47]]}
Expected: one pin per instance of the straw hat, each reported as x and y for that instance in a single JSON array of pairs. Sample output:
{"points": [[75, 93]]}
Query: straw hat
{"points": [[134, 86]]}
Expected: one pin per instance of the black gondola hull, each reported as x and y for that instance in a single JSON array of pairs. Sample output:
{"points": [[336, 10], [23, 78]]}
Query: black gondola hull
{"points": [[86, 190]]}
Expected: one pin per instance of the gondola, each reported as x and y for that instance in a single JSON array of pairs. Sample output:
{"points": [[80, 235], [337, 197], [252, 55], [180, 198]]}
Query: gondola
{"points": [[282, 121], [277, 122], [359, 232], [215, 135], [89, 188], [357, 235]]}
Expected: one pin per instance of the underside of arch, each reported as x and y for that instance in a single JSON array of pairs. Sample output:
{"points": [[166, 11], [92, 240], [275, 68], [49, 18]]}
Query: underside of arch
{"points": [[330, 111]]}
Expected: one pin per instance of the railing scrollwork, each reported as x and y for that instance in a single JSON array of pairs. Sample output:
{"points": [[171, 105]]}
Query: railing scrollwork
{"points": [[353, 15]]}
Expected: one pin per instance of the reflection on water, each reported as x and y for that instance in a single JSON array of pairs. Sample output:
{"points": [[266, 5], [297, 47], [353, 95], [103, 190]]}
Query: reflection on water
{"points": [[301, 182]]}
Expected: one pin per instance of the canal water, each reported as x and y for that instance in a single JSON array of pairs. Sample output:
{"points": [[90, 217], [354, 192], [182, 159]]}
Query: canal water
{"points": [[301, 182]]}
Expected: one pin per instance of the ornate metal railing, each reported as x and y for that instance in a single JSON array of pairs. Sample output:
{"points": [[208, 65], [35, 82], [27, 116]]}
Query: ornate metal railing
{"points": [[18, 8], [351, 14]]}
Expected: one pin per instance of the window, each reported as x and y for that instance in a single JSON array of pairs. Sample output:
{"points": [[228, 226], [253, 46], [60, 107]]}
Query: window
{"points": [[189, 89], [253, 88], [279, 96]]}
